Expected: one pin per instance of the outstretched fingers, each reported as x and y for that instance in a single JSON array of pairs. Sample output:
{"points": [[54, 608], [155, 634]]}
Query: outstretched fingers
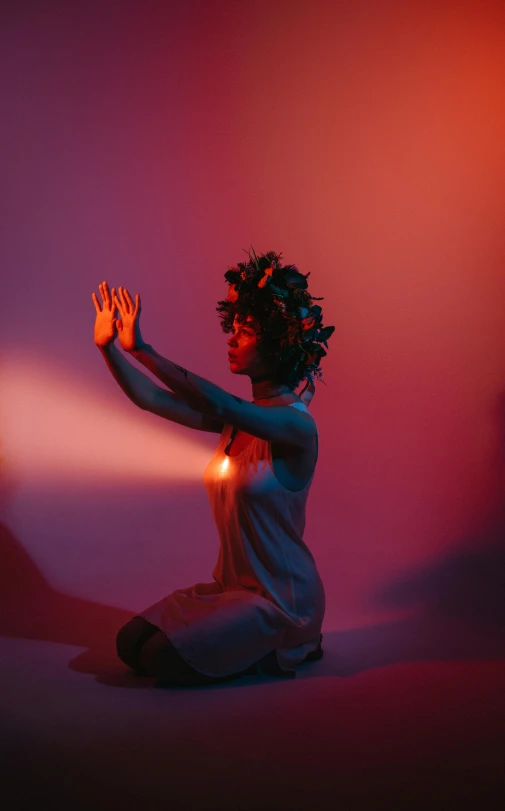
{"points": [[124, 301], [106, 294], [120, 298], [95, 302], [116, 301], [128, 298], [107, 301], [118, 304], [133, 308]]}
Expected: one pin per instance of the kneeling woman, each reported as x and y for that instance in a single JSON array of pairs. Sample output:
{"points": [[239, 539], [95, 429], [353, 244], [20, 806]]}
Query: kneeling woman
{"points": [[263, 611]]}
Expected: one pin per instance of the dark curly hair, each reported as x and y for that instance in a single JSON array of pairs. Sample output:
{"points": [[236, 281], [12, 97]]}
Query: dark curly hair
{"points": [[288, 325]]}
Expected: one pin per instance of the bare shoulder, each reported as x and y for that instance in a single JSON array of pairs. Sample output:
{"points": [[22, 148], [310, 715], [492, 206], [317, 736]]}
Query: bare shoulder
{"points": [[276, 422], [306, 419]]}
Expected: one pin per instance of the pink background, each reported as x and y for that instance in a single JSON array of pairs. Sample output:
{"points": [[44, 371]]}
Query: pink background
{"points": [[365, 141]]}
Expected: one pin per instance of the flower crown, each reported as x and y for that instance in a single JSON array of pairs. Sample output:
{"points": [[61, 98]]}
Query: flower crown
{"points": [[263, 281]]}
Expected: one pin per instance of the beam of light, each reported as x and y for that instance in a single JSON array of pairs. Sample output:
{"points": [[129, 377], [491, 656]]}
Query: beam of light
{"points": [[56, 430]]}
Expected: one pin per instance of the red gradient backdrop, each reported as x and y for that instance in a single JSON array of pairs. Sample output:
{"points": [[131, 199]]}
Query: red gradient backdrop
{"points": [[148, 145]]}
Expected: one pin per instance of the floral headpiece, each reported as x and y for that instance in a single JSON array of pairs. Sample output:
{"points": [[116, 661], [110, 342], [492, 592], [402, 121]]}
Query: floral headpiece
{"points": [[264, 285]]}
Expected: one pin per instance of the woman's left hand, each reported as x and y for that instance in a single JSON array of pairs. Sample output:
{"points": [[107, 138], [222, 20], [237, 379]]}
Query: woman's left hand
{"points": [[128, 325]]}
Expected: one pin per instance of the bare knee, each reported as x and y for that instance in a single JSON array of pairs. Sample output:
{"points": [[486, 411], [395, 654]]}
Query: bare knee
{"points": [[161, 659], [131, 638], [158, 655]]}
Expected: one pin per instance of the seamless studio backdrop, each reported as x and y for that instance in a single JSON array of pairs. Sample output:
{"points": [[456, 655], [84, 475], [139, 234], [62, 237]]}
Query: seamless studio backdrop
{"points": [[149, 148]]}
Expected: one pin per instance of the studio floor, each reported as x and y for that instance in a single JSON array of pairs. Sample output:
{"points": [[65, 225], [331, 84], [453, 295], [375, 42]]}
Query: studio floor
{"points": [[391, 717]]}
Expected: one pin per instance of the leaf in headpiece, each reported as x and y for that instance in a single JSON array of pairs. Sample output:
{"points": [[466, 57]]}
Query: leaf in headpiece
{"points": [[232, 293], [271, 257], [265, 279], [325, 333], [279, 291], [294, 278], [232, 275], [255, 259], [250, 262], [312, 353]]}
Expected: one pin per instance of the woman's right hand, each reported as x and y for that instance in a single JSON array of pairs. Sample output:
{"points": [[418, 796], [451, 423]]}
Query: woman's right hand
{"points": [[105, 323], [128, 324]]}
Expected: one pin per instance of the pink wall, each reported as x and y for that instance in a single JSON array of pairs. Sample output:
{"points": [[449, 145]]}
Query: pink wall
{"points": [[148, 145]]}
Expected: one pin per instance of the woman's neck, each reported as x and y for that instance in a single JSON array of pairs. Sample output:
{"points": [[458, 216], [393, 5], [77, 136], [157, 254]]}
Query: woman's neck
{"points": [[267, 390]]}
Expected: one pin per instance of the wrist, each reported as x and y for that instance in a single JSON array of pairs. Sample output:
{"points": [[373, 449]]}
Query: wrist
{"points": [[139, 348], [107, 346]]}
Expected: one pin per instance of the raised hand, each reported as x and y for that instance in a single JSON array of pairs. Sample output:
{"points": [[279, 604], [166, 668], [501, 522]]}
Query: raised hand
{"points": [[105, 323], [128, 326]]}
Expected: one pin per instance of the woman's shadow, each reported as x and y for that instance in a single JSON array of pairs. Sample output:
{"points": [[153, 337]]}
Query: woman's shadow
{"points": [[455, 606], [30, 608]]}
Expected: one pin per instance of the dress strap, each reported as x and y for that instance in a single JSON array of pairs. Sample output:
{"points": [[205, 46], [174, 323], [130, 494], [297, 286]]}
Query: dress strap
{"points": [[308, 392]]}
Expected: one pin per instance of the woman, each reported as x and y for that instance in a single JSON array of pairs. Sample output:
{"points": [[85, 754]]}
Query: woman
{"points": [[264, 609]]}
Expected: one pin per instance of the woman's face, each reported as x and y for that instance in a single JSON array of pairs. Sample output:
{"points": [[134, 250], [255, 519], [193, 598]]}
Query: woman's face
{"points": [[242, 345]]}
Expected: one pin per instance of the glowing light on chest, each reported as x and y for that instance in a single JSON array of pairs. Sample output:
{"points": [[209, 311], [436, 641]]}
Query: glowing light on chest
{"points": [[225, 464]]}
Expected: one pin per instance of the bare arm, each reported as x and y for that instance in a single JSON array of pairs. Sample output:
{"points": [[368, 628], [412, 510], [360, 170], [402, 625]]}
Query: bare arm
{"points": [[135, 384], [150, 397], [197, 391]]}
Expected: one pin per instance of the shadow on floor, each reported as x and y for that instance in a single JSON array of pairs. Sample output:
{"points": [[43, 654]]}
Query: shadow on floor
{"points": [[455, 605]]}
